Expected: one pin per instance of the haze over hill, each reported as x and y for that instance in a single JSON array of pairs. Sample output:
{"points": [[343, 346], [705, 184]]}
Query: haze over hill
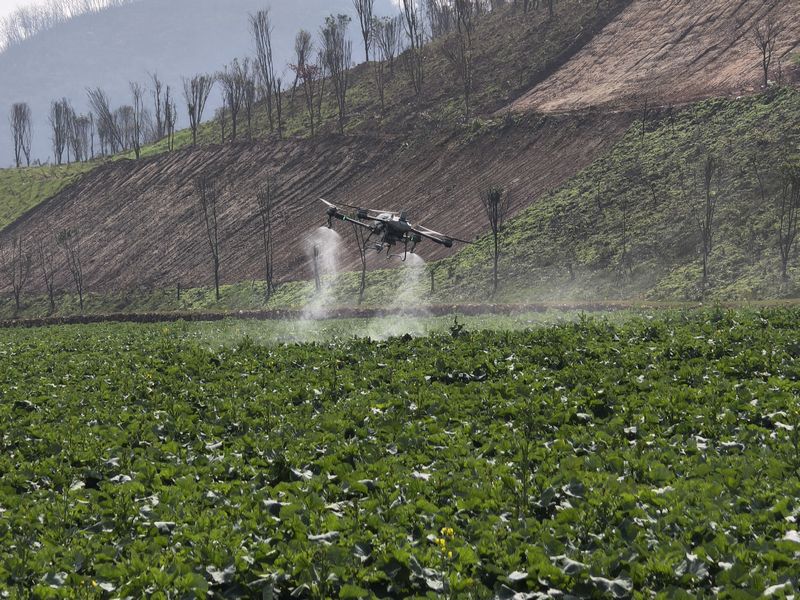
{"points": [[171, 37]]}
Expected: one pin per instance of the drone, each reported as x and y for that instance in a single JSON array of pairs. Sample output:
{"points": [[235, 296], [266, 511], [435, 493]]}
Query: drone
{"points": [[387, 228]]}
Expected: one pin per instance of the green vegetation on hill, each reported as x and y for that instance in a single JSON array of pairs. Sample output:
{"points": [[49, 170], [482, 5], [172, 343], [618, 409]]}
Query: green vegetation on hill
{"points": [[23, 189], [628, 225], [174, 461]]}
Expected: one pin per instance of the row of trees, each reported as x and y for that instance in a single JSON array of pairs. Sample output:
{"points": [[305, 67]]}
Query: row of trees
{"points": [[151, 112]]}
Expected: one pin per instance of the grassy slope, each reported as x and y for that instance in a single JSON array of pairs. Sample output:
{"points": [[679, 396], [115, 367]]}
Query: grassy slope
{"points": [[639, 184], [22, 189]]}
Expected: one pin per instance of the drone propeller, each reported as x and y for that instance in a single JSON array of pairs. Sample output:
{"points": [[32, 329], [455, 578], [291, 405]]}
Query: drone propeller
{"points": [[439, 237]]}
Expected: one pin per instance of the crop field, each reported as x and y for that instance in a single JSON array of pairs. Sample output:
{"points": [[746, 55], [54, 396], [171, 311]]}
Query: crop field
{"points": [[593, 457]]}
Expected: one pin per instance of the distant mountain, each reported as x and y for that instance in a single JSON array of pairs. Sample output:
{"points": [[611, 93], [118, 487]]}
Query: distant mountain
{"points": [[173, 38]]}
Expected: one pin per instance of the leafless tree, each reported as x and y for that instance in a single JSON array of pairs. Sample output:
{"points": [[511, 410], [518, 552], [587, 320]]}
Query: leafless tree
{"points": [[45, 256], [159, 106], [261, 28], [410, 13], [441, 17], [124, 123], [338, 51], [765, 34], [495, 203], [234, 79], [208, 198], [458, 47], [266, 213], [303, 50], [379, 72], [21, 130], [277, 94], [306, 73], [788, 210], [388, 34], [221, 117], [249, 103], [137, 97], [60, 116], [15, 263], [69, 242], [80, 137], [107, 128], [170, 118], [711, 184], [196, 91], [364, 10]]}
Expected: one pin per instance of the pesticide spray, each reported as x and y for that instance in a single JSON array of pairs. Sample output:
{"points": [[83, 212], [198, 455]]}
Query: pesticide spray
{"points": [[406, 305], [322, 249]]}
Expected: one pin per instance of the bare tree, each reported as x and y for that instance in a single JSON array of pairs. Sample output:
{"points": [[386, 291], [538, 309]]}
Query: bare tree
{"points": [[159, 106], [788, 209], [107, 125], [60, 114], [261, 28], [196, 91], [765, 35], [15, 263], [306, 73], [69, 242], [364, 10], [137, 97], [249, 103], [711, 184], [388, 34], [208, 197], [495, 203], [379, 72], [338, 51], [170, 118], [409, 10], [277, 94], [46, 262], [266, 212], [21, 130], [234, 79], [80, 137], [458, 47], [303, 49], [440, 17]]}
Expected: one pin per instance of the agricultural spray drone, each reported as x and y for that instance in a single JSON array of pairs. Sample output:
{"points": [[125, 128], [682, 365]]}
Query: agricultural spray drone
{"points": [[387, 228]]}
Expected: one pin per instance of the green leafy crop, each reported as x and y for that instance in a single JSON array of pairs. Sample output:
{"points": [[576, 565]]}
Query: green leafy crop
{"points": [[650, 455]]}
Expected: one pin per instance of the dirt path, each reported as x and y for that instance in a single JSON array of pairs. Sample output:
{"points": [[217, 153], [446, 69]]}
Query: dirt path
{"points": [[670, 52]]}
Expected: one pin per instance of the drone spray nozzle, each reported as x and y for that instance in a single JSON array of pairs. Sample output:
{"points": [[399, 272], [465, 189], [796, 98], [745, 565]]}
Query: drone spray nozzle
{"points": [[448, 243], [362, 214]]}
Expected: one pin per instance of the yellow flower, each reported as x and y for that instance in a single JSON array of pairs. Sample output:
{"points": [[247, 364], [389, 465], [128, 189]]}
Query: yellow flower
{"points": [[450, 554]]}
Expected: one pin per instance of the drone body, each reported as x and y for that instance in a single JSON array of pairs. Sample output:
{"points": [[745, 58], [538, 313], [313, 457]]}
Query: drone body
{"points": [[387, 229]]}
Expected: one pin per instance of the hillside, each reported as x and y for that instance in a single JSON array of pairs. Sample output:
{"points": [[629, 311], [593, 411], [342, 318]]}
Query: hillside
{"points": [[672, 52], [575, 172], [110, 48]]}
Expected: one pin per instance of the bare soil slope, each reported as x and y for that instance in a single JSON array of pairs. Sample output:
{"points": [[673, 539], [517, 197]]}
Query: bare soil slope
{"points": [[673, 51], [141, 225]]}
